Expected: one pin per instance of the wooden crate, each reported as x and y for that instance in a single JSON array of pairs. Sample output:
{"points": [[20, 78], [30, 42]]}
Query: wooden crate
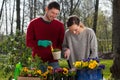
{"points": [[29, 78]]}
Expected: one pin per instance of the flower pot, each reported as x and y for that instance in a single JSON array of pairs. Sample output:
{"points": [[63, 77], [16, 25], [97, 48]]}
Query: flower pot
{"points": [[28, 78], [56, 55], [88, 74]]}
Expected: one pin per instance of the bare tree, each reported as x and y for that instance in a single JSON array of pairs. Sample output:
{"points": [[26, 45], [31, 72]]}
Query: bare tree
{"points": [[73, 8], [18, 16], [95, 15], [31, 9], [87, 11], [12, 18], [6, 18], [1, 23], [1, 11], [115, 69], [2, 8], [35, 8], [23, 17], [43, 7], [68, 7]]}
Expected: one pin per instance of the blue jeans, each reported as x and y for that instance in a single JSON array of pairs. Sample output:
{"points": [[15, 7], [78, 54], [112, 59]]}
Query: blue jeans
{"points": [[53, 64]]}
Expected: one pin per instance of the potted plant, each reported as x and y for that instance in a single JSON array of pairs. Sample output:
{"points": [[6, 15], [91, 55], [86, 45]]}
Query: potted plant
{"points": [[32, 71], [56, 53], [89, 69]]}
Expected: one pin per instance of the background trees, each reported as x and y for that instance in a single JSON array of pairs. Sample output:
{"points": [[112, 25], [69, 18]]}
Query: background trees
{"points": [[15, 16]]}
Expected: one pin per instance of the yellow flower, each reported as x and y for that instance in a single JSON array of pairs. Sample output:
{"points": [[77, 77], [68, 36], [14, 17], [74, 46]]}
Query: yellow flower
{"points": [[44, 75], [65, 71], [25, 69], [39, 72], [77, 64], [84, 64], [93, 64], [46, 72], [50, 69]]}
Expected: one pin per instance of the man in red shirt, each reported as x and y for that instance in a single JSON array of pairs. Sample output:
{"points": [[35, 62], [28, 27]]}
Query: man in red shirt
{"points": [[45, 31]]}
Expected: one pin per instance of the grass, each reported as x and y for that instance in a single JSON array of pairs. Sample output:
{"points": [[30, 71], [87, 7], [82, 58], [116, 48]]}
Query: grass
{"points": [[108, 64]]}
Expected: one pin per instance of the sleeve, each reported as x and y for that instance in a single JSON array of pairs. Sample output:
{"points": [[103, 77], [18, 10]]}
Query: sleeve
{"points": [[61, 37], [65, 43], [93, 45], [30, 36]]}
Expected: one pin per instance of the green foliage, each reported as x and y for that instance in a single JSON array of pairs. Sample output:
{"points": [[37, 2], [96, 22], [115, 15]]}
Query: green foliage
{"points": [[13, 44], [56, 50], [14, 50], [63, 63], [104, 33], [35, 63], [104, 45], [108, 64]]}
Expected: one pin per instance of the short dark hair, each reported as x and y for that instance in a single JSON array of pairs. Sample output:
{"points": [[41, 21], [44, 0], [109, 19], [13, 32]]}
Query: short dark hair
{"points": [[54, 4], [73, 20]]}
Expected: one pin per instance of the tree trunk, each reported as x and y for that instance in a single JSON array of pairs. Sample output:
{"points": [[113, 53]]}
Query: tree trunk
{"points": [[95, 16], [35, 8], [2, 8], [73, 6], [115, 68], [18, 16], [6, 18], [23, 17], [31, 9], [12, 18], [43, 7]]}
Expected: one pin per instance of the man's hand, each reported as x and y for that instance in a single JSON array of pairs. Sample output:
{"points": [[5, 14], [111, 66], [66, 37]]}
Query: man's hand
{"points": [[44, 43]]}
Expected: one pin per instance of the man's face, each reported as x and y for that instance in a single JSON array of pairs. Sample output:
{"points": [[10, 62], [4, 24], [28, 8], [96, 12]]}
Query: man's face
{"points": [[51, 14]]}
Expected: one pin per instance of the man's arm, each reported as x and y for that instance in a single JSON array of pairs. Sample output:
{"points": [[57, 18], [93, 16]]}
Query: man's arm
{"points": [[30, 36]]}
